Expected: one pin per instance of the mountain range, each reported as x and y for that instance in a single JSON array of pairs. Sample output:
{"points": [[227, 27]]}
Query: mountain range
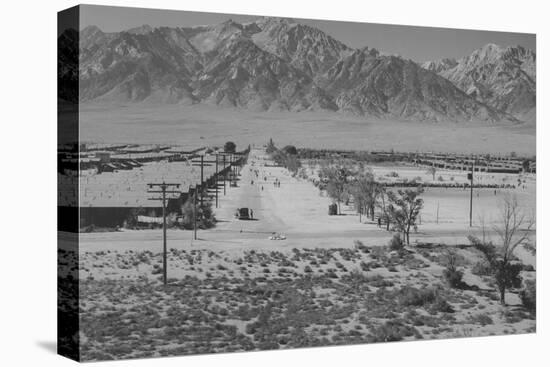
{"points": [[503, 78], [278, 64]]}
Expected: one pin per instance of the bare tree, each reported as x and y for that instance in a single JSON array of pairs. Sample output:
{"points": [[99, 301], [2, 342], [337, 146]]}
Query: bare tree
{"points": [[373, 191], [292, 164], [365, 191], [359, 198], [337, 183], [404, 208], [383, 205], [513, 230]]}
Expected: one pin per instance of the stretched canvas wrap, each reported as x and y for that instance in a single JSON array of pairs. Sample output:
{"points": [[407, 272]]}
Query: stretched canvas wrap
{"points": [[234, 183]]}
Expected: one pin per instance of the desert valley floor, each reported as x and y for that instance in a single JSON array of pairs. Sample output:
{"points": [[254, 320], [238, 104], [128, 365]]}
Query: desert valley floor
{"points": [[196, 125]]}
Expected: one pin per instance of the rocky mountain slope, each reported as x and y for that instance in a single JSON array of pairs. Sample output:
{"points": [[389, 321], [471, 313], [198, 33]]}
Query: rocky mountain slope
{"points": [[304, 47], [439, 66], [67, 66], [503, 78], [372, 84], [272, 64], [240, 74]]}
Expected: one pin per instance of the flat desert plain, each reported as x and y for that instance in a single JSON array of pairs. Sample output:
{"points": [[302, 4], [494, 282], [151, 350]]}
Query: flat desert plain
{"points": [[204, 125]]}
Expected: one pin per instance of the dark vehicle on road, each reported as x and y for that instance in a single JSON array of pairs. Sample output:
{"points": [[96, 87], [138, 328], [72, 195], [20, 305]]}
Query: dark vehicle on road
{"points": [[243, 214]]}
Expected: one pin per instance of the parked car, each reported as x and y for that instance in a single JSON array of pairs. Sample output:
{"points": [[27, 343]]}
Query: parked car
{"points": [[243, 214]]}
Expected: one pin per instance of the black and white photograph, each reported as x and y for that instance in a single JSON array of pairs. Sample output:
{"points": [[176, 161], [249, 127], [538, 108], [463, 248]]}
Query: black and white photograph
{"points": [[232, 183]]}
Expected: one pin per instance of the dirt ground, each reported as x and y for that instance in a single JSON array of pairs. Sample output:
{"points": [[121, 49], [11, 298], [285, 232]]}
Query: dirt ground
{"points": [[222, 301], [332, 281]]}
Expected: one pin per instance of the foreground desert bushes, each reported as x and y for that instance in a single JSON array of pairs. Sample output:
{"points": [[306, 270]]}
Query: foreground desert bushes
{"points": [[255, 300]]}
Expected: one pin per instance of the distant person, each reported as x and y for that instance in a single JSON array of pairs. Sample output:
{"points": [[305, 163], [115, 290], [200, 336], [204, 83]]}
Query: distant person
{"points": [[251, 214], [379, 222]]}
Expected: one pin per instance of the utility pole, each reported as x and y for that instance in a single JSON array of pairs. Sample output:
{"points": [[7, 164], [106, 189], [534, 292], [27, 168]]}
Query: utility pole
{"points": [[202, 177], [206, 163], [236, 170], [195, 213], [224, 175], [163, 190], [216, 180], [233, 168], [471, 177], [200, 163]]}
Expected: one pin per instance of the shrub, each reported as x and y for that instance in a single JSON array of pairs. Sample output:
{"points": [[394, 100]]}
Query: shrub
{"points": [[452, 275], [481, 319], [392, 331], [507, 275], [131, 219], [430, 298], [204, 215], [441, 305], [410, 296], [482, 268], [361, 246], [396, 243], [528, 295], [378, 281]]}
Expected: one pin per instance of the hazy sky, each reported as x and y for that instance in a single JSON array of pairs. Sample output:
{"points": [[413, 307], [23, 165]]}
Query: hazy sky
{"points": [[416, 43]]}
